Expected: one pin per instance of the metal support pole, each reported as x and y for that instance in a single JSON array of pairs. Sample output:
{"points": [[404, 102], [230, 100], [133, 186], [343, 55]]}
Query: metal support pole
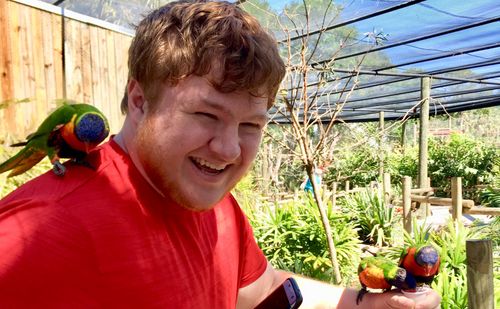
{"points": [[381, 146], [423, 138], [407, 203]]}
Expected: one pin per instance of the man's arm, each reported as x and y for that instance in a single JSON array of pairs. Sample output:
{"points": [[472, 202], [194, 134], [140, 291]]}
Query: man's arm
{"points": [[318, 294]]}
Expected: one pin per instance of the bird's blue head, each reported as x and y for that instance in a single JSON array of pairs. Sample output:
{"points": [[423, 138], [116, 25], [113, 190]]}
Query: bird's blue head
{"points": [[91, 128], [427, 255]]}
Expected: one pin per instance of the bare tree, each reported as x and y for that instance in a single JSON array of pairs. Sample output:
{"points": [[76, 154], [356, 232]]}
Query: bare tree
{"points": [[312, 94]]}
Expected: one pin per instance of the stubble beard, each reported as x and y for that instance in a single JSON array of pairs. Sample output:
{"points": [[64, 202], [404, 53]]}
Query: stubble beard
{"points": [[155, 170]]}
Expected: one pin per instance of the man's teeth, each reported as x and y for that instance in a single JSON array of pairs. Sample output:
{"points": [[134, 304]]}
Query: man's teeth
{"points": [[209, 165]]}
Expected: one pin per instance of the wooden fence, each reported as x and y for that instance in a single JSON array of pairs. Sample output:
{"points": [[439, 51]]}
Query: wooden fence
{"points": [[47, 54]]}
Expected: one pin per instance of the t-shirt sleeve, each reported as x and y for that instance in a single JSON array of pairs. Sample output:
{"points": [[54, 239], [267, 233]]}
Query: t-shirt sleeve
{"points": [[254, 263]]}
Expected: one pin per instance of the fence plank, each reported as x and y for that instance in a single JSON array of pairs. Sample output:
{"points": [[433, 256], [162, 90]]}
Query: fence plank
{"points": [[112, 98], [444, 201], [6, 79], [48, 46], [87, 91], [57, 56], [31, 66], [73, 59], [40, 95], [17, 78], [95, 63]]}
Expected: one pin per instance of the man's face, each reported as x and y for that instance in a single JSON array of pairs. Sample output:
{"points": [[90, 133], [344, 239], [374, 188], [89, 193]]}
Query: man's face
{"points": [[199, 142]]}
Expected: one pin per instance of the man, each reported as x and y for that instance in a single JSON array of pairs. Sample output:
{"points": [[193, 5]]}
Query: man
{"points": [[153, 226]]}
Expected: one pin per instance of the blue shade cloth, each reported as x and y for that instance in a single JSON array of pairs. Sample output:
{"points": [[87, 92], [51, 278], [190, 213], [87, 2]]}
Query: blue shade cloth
{"points": [[442, 38]]}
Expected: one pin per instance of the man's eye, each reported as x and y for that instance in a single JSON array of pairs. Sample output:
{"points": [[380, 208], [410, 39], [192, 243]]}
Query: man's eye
{"points": [[207, 115], [253, 126]]}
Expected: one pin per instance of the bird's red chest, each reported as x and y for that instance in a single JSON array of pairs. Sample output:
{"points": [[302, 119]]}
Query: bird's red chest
{"points": [[373, 278]]}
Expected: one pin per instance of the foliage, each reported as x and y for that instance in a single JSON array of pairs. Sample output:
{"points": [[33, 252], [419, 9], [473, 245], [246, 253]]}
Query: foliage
{"points": [[490, 197], [463, 157], [292, 238], [374, 219], [451, 282], [403, 163], [419, 236], [452, 288], [359, 166]]}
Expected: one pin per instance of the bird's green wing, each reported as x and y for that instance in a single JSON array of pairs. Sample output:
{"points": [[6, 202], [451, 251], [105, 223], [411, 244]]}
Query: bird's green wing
{"points": [[36, 145]]}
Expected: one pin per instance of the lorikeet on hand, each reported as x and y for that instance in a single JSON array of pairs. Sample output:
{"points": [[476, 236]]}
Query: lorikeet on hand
{"points": [[381, 273], [71, 131], [422, 262]]}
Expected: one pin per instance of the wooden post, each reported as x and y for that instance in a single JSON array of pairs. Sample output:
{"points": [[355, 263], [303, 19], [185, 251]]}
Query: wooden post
{"points": [[428, 208], [456, 198], [403, 137], [480, 274], [381, 146], [347, 187], [415, 133], [407, 203], [423, 138], [334, 195], [387, 188]]}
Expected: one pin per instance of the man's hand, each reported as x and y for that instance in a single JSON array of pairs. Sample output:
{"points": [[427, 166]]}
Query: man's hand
{"points": [[396, 300], [321, 295]]}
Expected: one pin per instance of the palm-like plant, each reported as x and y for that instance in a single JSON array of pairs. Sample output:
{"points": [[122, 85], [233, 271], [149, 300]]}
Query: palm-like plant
{"points": [[292, 238], [375, 219]]}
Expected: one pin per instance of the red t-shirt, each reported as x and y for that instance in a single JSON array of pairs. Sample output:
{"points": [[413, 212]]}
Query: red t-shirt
{"points": [[105, 238]]}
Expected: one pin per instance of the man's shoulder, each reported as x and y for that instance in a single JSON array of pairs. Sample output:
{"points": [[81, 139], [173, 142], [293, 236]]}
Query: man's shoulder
{"points": [[79, 179]]}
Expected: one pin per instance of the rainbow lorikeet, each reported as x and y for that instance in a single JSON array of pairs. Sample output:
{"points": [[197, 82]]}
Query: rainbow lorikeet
{"points": [[422, 262], [70, 131], [380, 273]]}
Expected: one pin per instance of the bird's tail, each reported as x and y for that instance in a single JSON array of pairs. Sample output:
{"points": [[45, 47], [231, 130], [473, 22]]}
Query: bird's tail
{"points": [[25, 159], [19, 144]]}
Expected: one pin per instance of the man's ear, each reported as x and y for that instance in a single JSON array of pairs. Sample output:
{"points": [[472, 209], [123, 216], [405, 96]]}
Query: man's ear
{"points": [[136, 100]]}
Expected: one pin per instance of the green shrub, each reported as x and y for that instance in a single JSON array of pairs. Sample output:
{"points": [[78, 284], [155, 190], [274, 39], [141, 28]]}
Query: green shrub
{"points": [[490, 197], [359, 166], [460, 156], [463, 157], [374, 219], [451, 282], [292, 237]]}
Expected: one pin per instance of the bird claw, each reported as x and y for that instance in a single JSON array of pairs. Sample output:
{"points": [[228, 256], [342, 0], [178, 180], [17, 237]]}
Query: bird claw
{"points": [[361, 293], [58, 168]]}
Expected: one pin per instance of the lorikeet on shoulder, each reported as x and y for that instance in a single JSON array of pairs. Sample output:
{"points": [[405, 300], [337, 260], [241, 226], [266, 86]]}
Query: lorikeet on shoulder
{"points": [[71, 131], [422, 262], [381, 273]]}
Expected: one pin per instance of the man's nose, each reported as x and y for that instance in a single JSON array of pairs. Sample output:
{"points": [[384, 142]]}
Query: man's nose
{"points": [[226, 144]]}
